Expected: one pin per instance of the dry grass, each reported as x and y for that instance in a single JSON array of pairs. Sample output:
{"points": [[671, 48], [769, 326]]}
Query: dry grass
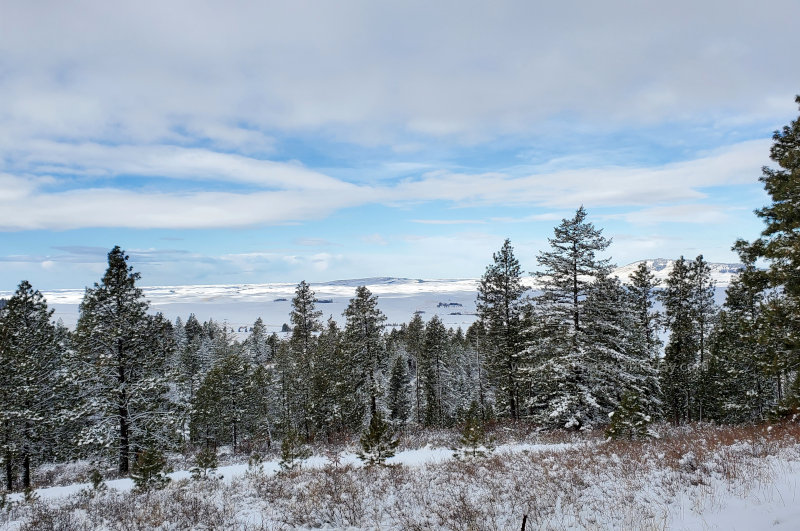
{"points": [[593, 484]]}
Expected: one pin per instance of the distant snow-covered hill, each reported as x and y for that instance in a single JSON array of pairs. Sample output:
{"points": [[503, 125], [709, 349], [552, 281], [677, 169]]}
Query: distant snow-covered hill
{"points": [[722, 274]]}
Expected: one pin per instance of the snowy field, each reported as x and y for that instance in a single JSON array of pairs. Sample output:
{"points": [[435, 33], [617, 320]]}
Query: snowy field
{"points": [[453, 300], [692, 478]]}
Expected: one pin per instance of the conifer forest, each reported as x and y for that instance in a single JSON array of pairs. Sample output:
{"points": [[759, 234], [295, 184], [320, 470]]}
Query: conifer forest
{"points": [[612, 373]]}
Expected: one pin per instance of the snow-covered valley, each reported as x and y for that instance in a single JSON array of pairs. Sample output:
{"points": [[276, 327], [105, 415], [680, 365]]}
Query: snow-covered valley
{"points": [[453, 300]]}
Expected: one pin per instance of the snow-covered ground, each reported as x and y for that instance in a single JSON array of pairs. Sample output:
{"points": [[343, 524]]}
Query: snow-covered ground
{"points": [[694, 478], [409, 458], [453, 300]]}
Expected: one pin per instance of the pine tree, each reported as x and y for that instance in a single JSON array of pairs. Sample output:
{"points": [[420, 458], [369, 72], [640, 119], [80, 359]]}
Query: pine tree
{"points": [[122, 361], [398, 399], [475, 338], [435, 371], [564, 372], [414, 336], [680, 356], [149, 470], [257, 344], [473, 441], [618, 358], [343, 405], [205, 464], [570, 267], [780, 240], [779, 245], [364, 344], [628, 421], [29, 360], [643, 286], [704, 313], [222, 408], [377, 441], [501, 308], [305, 321], [293, 450], [643, 291]]}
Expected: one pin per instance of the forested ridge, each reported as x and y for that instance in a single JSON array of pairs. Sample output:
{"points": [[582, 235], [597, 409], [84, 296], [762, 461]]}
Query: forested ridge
{"points": [[583, 351]]}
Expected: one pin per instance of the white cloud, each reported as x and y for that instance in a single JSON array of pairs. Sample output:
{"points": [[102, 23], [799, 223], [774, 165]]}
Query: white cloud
{"points": [[615, 186], [92, 159], [449, 221], [147, 71], [304, 195], [374, 239], [691, 213]]}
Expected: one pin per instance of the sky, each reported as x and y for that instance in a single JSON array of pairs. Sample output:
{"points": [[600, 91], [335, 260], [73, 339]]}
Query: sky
{"points": [[255, 142]]}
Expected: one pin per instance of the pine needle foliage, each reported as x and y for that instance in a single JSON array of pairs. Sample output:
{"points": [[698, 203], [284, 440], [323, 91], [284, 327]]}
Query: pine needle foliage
{"points": [[629, 421], [205, 464], [293, 450], [378, 442], [473, 443], [149, 471]]}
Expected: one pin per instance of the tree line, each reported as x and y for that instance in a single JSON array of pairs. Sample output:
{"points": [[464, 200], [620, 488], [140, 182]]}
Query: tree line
{"points": [[579, 351]]}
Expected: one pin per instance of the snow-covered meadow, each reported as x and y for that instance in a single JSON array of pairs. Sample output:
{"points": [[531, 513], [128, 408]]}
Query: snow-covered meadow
{"points": [[691, 478]]}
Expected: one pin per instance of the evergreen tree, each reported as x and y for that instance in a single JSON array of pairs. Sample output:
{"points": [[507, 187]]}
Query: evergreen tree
{"points": [[473, 441], [779, 245], [474, 336], [704, 313], [643, 291], [149, 470], [618, 360], [629, 421], [305, 321], [570, 267], [205, 464], [398, 399], [377, 441], [257, 344], [501, 308], [680, 356], [414, 336], [222, 410], [643, 286], [29, 360], [565, 373], [364, 344], [123, 365], [435, 372], [344, 408], [293, 450]]}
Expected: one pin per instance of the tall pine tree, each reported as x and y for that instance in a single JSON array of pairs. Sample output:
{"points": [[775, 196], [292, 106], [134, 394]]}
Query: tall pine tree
{"points": [[501, 309], [122, 365], [29, 361]]}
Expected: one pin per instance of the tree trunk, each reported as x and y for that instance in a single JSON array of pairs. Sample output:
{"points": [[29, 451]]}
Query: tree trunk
{"points": [[26, 471], [124, 442], [9, 472]]}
